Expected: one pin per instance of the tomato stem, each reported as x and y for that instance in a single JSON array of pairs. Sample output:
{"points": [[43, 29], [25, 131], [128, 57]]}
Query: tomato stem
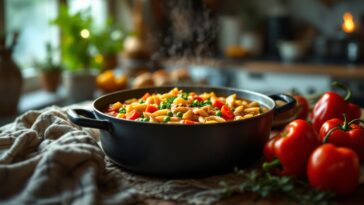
{"points": [[326, 138], [270, 165], [345, 126], [355, 121], [347, 90]]}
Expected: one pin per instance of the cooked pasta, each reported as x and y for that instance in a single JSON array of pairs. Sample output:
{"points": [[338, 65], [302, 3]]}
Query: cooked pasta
{"points": [[179, 107]]}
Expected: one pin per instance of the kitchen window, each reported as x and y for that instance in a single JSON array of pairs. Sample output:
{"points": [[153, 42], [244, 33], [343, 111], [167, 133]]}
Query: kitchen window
{"points": [[35, 30]]}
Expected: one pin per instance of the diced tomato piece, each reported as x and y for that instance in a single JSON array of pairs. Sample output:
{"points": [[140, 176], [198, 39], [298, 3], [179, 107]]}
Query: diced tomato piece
{"points": [[145, 96], [227, 113], [151, 108], [200, 99], [189, 122], [132, 115], [217, 103]]}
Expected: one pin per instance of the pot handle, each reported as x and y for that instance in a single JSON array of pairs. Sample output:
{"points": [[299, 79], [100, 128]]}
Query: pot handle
{"points": [[290, 102], [87, 118]]}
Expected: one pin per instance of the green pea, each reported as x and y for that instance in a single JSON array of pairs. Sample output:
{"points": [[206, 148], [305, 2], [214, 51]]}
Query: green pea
{"points": [[170, 114], [218, 113], [179, 114], [166, 119], [163, 106]]}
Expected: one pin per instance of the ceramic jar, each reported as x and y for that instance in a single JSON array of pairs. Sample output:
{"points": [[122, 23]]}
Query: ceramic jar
{"points": [[10, 82]]}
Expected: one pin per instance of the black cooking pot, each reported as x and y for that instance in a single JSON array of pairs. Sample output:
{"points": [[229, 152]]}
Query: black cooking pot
{"points": [[177, 150]]}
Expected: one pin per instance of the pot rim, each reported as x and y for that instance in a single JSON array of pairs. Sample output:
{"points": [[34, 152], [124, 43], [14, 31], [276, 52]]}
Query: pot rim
{"points": [[183, 87]]}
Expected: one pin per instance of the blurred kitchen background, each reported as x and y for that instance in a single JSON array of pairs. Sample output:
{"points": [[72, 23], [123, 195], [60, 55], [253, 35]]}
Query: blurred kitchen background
{"points": [[61, 52]]}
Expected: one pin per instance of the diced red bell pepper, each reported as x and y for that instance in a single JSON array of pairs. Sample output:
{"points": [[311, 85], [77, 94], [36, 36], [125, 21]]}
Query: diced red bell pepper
{"points": [[189, 122], [217, 103], [200, 99], [227, 113], [132, 115], [151, 108]]}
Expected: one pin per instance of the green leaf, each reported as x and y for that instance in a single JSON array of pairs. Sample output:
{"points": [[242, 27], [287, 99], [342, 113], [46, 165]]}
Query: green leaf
{"points": [[266, 185]]}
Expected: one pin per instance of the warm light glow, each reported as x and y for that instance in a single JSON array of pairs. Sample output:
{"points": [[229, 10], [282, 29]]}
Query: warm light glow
{"points": [[85, 33], [348, 25]]}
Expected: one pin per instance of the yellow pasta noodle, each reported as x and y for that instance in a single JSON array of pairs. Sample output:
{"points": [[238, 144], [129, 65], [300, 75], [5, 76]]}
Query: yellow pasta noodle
{"points": [[179, 107]]}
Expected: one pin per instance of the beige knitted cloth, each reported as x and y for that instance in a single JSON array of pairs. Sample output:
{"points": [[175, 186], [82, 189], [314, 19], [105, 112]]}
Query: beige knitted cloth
{"points": [[45, 159]]}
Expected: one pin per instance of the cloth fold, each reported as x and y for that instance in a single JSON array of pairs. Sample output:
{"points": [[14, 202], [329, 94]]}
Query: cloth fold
{"points": [[45, 159]]}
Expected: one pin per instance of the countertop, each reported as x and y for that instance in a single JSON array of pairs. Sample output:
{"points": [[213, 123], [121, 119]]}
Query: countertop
{"points": [[340, 70]]}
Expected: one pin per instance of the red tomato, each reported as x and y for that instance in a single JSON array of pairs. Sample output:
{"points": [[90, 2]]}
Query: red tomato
{"points": [[302, 104], [151, 108], [334, 169], [269, 152], [227, 113], [332, 105], [344, 134], [292, 148], [132, 115], [217, 103]]}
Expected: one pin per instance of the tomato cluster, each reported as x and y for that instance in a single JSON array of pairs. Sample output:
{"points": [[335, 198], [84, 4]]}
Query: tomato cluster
{"points": [[328, 151]]}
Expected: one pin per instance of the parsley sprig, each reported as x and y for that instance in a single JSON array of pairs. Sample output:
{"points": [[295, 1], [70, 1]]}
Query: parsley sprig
{"points": [[266, 185]]}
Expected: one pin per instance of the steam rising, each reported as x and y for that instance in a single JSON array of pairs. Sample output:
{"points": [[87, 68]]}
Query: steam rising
{"points": [[191, 33]]}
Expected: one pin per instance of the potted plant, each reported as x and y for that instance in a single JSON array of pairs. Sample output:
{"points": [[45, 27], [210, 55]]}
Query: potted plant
{"points": [[49, 71], [108, 42], [76, 55]]}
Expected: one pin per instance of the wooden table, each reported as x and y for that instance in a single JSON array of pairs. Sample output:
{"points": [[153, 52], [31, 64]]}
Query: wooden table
{"points": [[356, 198]]}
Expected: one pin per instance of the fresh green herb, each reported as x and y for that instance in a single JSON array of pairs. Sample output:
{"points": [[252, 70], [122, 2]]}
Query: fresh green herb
{"points": [[166, 119], [207, 102], [142, 119], [179, 114], [170, 114], [195, 103], [122, 110], [141, 101], [218, 113], [184, 96], [171, 99], [265, 185]]}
